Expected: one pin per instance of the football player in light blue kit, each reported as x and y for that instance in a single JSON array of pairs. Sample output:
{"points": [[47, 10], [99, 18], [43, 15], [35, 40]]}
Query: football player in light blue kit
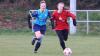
{"points": [[39, 27]]}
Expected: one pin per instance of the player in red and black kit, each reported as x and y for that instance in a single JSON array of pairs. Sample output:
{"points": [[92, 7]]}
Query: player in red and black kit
{"points": [[59, 23]]}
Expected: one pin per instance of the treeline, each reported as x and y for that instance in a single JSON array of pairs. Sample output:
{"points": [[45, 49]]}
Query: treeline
{"points": [[34, 4], [88, 4]]}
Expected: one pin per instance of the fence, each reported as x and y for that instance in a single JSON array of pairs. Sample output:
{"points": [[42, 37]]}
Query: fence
{"points": [[84, 16], [88, 19], [87, 15]]}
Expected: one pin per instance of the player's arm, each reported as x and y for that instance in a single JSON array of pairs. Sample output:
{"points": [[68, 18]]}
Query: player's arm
{"points": [[29, 22], [49, 15], [52, 23], [73, 17], [74, 22], [52, 19], [33, 13]]}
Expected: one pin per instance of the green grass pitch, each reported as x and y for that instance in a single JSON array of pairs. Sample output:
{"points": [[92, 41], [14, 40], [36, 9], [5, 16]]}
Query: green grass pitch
{"points": [[20, 45]]}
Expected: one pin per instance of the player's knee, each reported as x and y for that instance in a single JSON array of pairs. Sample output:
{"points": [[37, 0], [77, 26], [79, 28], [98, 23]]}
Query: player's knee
{"points": [[39, 40], [38, 35], [65, 38]]}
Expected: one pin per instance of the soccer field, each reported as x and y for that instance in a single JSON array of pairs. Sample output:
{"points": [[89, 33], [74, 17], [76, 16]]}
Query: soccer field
{"points": [[20, 45]]}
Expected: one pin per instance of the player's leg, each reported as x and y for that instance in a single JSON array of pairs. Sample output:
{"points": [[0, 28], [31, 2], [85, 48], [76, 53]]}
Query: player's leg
{"points": [[62, 43], [65, 34], [40, 35], [35, 29], [39, 40], [33, 40]]}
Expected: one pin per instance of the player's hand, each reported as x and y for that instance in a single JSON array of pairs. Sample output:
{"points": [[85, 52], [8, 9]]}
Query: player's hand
{"points": [[74, 22]]}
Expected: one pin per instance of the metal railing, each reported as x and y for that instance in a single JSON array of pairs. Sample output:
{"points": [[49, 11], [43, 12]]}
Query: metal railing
{"points": [[87, 21], [87, 18]]}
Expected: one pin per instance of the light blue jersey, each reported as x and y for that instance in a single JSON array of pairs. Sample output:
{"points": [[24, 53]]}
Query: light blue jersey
{"points": [[41, 17]]}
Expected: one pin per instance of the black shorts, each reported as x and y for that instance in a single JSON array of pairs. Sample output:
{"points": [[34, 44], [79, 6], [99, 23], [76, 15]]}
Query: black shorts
{"points": [[62, 34], [42, 29]]}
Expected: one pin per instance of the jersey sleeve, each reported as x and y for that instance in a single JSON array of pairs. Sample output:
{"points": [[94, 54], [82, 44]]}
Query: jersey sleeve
{"points": [[73, 17], [69, 14], [34, 14]]}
